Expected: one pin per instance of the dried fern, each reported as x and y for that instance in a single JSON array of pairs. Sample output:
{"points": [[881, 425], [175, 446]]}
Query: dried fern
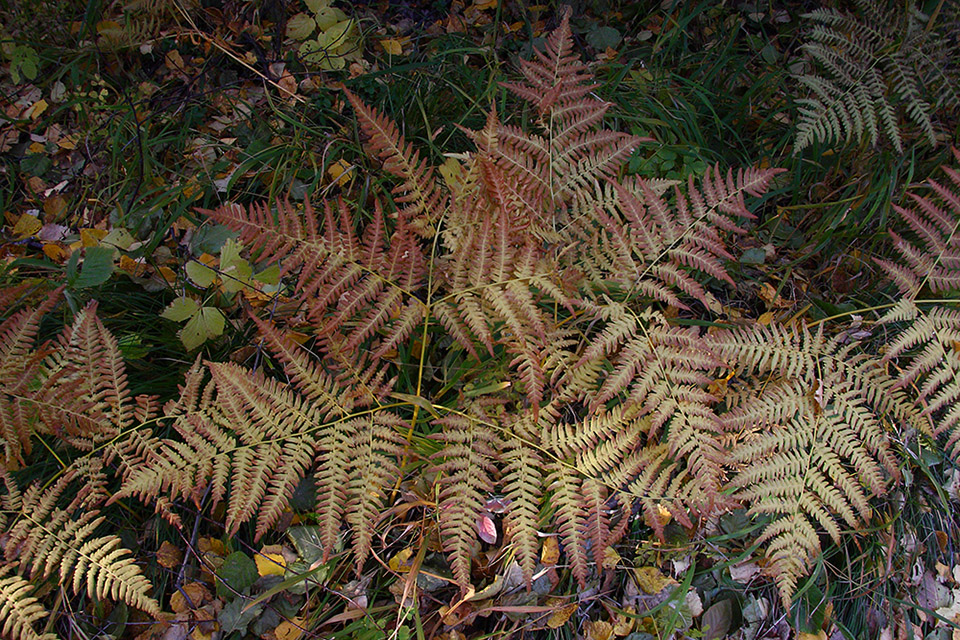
{"points": [[925, 346], [872, 67], [812, 444]]}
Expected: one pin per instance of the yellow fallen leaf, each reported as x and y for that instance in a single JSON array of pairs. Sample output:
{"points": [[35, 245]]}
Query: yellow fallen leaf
{"points": [[401, 561], [392, 46], [38, 108], [68, 142], [270, 564], [341, 171], [765, 318], [550, 553], [168, 556], [598, 630], [290, 629], [35, 147], [611, 558], [560, 616], [92, 237], [651, 581], [55, 252], [28, 225]]}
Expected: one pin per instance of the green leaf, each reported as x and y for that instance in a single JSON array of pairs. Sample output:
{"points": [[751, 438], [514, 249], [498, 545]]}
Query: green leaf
{"points": [[181, 309], [326, 17], [234, 270], [270, 275], [316, 5], [754, 256], [207, 323], [239, 571], [306, 540], [97, 267], [233, 617], [300, 26], [604, 37], [200, 274]]}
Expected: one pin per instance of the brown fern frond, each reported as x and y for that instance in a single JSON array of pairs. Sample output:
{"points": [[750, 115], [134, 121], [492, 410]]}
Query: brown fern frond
{"points": [[352, 286], [48, 539], [20, 361], [639, 238], [420, 191], [934, 260], [927, 347], [84, 398]]}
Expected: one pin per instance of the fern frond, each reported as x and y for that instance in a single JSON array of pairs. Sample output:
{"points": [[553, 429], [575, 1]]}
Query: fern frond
{"points": [[353, 286], [47, 539], [523, 485], [84, 398], [420, 190], [20, 361], [640, 239], [466, 461], [19, 609], [876, 64], [813, 440], [934, 259], [570, 513]]}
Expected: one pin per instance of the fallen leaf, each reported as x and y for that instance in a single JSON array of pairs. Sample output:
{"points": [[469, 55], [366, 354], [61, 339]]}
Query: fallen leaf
{"points": [[168, 556], [487, 529], [290, 629], [401, 561], [28, 225], [550, 553], [341, 171], [190, 596], [560, 616], [651, 581], [392, 46], [270, 564]]}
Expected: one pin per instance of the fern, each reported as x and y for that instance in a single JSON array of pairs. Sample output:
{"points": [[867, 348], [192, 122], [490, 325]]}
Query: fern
{"points": [[874, 66], [251, 439], [925, 346], [19, 610], [812, 441]]}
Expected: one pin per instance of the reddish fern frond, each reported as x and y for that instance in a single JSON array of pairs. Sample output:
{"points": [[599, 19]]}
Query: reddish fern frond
{"points": [[420, 191], [934, 260], [20, 360], [351, 286], [557, 77]]}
